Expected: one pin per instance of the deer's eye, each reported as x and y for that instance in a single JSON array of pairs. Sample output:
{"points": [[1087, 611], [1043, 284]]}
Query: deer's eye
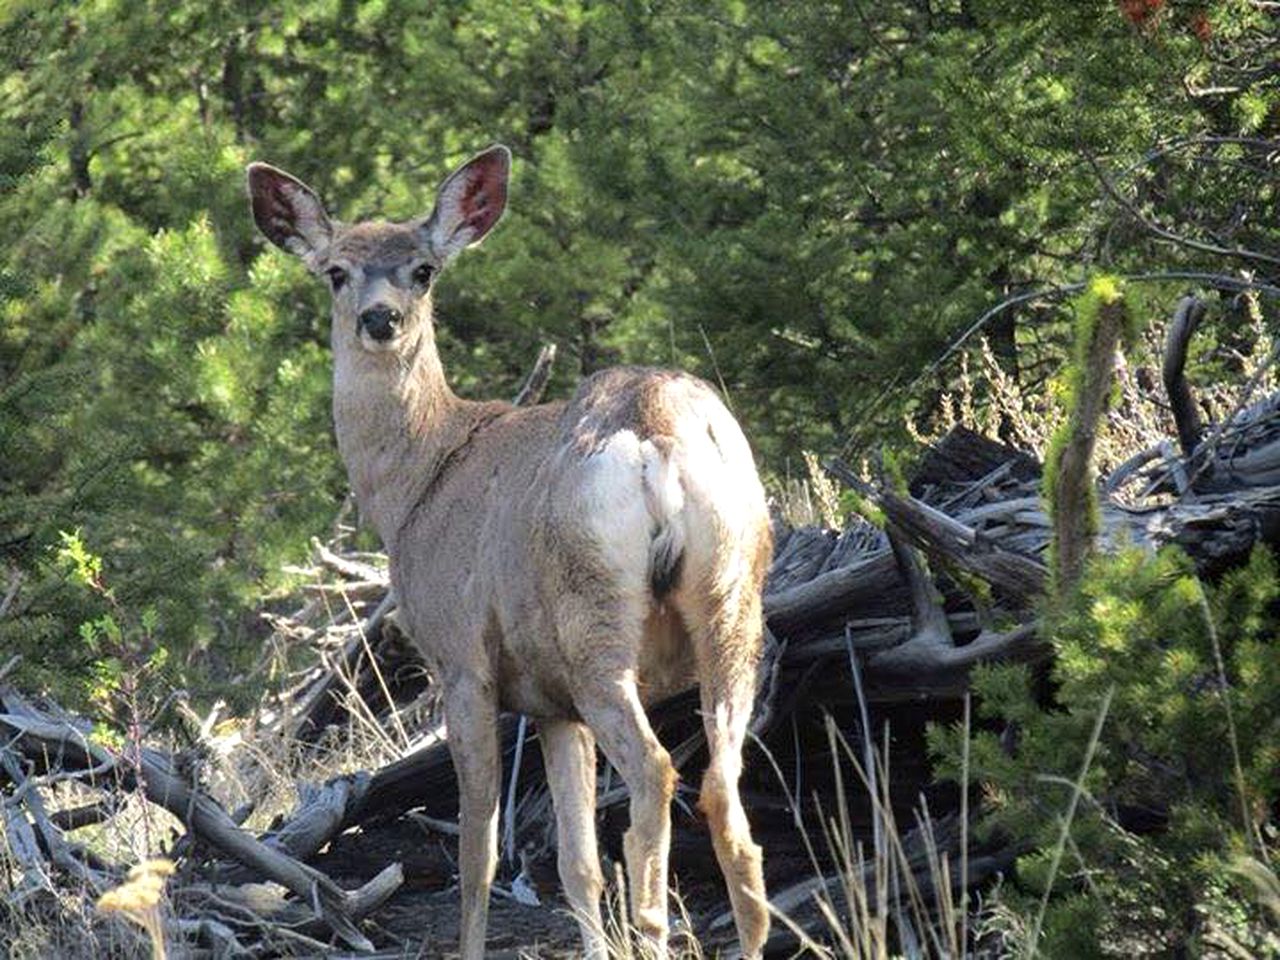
{"points": [[422, 274], [337, 277]]}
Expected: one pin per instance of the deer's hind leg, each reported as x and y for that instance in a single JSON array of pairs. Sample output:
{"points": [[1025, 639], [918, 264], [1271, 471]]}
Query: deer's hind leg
{"points": [[727, 634], [569, 752], [605, 635]]}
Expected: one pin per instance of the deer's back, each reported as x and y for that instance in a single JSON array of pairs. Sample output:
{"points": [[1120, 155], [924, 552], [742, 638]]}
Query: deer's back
{"points": [[546, 509]]}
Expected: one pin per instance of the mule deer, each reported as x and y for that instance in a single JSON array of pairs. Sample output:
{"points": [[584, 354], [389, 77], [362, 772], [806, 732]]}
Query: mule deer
{"points": [[572, 561]]}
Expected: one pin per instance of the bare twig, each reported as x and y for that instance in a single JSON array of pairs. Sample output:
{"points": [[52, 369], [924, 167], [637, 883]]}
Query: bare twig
{"points": [[1162, 233], [1186, 319], [352, 569], [535, 383]]}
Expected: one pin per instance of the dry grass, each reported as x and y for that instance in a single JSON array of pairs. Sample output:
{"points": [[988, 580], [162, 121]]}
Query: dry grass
{"points": [[989, 401], [905, 894], [811, 500], [897, 895], [59, 918]]}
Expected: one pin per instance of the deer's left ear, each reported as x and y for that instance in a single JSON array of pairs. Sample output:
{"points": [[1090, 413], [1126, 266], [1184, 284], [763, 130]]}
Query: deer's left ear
{"points": [[288, 212], [470, 202]]}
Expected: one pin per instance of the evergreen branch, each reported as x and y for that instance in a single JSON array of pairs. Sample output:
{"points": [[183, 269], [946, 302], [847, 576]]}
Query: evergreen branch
{"points": [[865, 416], [1168, 235]]}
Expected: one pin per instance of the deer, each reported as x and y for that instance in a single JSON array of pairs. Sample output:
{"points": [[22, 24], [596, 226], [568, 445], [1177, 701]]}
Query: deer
{"points": [[574, 561]]}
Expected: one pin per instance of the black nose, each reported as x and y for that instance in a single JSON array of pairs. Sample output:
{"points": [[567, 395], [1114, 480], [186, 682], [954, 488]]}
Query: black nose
{"points": [[380, 322]]}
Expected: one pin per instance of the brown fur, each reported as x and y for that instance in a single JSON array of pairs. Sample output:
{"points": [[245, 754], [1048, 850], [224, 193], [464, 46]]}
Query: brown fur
{"points": [[525, 546]]}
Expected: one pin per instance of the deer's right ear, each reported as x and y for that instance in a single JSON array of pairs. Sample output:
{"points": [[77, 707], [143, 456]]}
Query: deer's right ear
{"points": [[288, 212]]}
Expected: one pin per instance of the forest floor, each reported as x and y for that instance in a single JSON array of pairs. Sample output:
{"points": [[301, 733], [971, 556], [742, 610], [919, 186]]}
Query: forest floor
{"points": [[422, 917]]}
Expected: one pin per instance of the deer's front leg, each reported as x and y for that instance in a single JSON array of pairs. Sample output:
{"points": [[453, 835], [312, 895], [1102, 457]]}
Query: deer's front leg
{"points": [[471, 714]]}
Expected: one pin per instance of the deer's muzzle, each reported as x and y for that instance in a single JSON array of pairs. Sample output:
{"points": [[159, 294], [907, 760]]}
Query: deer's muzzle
{"points": [[380, 322]]}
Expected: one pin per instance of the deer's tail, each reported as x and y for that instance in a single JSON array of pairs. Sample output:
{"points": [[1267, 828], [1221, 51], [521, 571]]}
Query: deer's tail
{"points": [[664, 496]]}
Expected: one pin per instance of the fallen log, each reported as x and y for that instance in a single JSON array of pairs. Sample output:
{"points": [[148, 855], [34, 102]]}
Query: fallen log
{"points": [[820, 619], [869, 583]]}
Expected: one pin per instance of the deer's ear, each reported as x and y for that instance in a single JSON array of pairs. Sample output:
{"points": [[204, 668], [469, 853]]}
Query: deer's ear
{"points": [[287, 211], [470, 202]]}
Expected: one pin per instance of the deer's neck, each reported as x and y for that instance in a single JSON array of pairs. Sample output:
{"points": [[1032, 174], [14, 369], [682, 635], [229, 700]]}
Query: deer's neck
{"points": [[397, 422]]}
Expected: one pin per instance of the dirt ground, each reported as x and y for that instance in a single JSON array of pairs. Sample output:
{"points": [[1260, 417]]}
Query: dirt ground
{"points": [[426, 924], [421, 920]]}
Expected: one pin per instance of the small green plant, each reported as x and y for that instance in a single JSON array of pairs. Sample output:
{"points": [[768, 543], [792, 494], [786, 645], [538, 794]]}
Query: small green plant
{"points": [[127, 679], [1187, 766], [128, 659]]}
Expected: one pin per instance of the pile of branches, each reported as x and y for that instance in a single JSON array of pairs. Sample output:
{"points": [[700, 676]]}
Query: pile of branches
{"points": [[45, 746], [878, 621]]}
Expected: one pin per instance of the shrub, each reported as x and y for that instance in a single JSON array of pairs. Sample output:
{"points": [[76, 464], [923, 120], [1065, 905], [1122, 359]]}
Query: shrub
{"points": [[1183, 782]]}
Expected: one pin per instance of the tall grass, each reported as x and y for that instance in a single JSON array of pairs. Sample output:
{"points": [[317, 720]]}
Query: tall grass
{"points": [[904, 892]]}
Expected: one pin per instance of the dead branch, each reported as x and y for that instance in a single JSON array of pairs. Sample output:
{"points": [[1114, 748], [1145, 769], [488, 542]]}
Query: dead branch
{"points": [[319, 815], [39, 736], [1019, 576], [832, 594], [1170, 236], [918, 668], [929, 626], [348, 567], [322, 700], [1186, 319], [535, 383]]}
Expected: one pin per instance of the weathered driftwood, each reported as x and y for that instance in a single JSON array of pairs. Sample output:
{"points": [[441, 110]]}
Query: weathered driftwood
{"points": [[1020, 577], [834, 594]]}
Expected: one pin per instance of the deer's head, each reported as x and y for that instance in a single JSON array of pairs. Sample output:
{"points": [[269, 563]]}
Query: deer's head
{"points": [[381, 274]]}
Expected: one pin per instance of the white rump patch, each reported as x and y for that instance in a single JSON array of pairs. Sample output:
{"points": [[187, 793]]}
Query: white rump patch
{"points": [[635, 500], [615, 501], [663, 491], [664, 496]]}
